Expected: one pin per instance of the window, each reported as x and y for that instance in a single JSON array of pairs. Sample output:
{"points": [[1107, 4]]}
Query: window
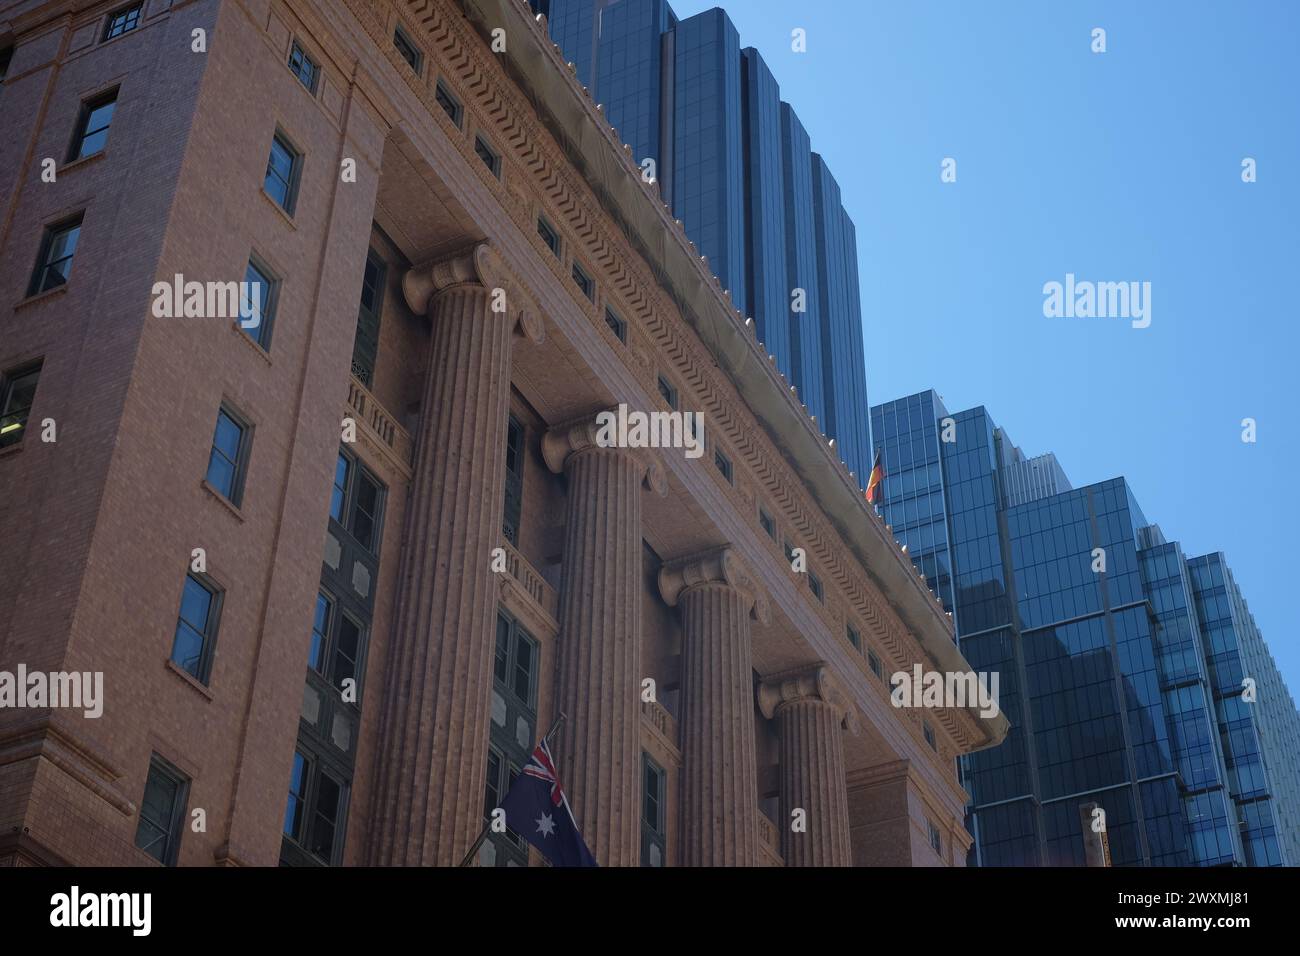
{"points": [[283, 169], [365, 347], [936, 838], [789, 553], [196, 627], [584, 282], [17, 393], [668, 392], [514, 480], [92, 125], [304, 67], [515, 662], [653, 812], [314, 813], [854, 637], [489, 156], [815, 585], [162, 811], [357, 501], [549, 235], [124, 21], [339, 493], [723, 464], [616, 325], [257, 303], [507, 849], [450, 105], [406, 47], [228, 460], [337, 643], [768, 524], [928, 732], [516, 666], [874, 663], [54, 264]]}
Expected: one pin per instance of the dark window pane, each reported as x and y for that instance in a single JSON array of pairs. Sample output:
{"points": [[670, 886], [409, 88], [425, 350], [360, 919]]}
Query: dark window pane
{"points": [[297, 804], [502, 659], [347, 651], [326, 817], [524, 665], [339, 493], [320, 630]]}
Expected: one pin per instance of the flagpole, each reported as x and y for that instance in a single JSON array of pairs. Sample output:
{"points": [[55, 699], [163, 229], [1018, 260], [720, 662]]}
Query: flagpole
{"points": [[487, 827]]}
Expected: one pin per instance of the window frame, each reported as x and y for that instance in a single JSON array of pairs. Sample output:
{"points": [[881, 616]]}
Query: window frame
{"points": [[493, 158], [211, 626], [176, 825], [357, 469], [616, 324], [543, 227], [124, 12], [456, 114], [50, 234], [654, 834], [723, 464], [767, 523], [264, 328], [296, 47], [236, 495], [583, 280], [296, 157], [875, 664], [8, 379], [80, 132], [671, 397], [400, 39]]}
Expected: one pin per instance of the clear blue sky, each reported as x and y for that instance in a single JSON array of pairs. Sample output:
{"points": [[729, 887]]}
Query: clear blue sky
{"points": [[1117, 166]]}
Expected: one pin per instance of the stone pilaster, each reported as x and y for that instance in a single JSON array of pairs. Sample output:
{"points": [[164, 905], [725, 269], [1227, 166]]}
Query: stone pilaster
{"points": [[719, 793], [437, 696], [811, 714], [600, 636]]}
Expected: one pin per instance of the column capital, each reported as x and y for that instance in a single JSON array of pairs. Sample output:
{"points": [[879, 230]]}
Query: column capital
{"points": [[810, 682], [561, 442], [716, 566], [477, 265]]}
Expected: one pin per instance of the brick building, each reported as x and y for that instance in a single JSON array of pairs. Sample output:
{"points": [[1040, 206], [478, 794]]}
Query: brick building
{"points": [[343, 554]]}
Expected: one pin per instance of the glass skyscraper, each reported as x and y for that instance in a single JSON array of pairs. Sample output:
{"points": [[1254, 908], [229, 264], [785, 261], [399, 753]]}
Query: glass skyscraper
{"points": [[736, 166], [1122, 664]]}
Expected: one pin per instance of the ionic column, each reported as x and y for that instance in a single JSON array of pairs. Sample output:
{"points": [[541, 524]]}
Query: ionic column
{"points": [[434, 736], [719, 792], [811, 714], [600, 636]]}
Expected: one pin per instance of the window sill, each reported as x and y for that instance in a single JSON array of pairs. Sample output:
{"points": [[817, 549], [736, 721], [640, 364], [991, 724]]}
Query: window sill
{"points": [[188, 678], [222, 499], [244, 337], [284, 214], [83, 161], [11, 449], [41, 296]]}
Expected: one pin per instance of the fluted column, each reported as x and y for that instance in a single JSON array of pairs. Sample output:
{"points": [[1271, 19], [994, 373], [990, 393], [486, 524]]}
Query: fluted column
{"points": [[811, 714], [434, 735], [719, 792], [600, 636]]}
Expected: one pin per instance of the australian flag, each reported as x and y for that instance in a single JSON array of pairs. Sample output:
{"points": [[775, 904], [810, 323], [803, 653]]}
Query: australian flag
{"points": [[537, 810]]}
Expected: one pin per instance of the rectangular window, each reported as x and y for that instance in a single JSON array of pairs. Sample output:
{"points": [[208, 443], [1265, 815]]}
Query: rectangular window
{"points": [[196, 627], [123, 21], [489, 156], [936, 838], [17, 393], [874, 663], [365, 347], [304, 67], [854, 637], [815, 585], [296, 812], [338, 641], [314, 811], [616, 325], [257, 303], [514, 491], [668, 392], [339, 492], [322, 621], [584, 282], [54, 264], [723, 464], [549, 235], [928, 731], [516, 661], [92, 125], [653, 812], [283, 169], [162, 811], [406, 47], [450, 105], [768, 524], [228, 460]]}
